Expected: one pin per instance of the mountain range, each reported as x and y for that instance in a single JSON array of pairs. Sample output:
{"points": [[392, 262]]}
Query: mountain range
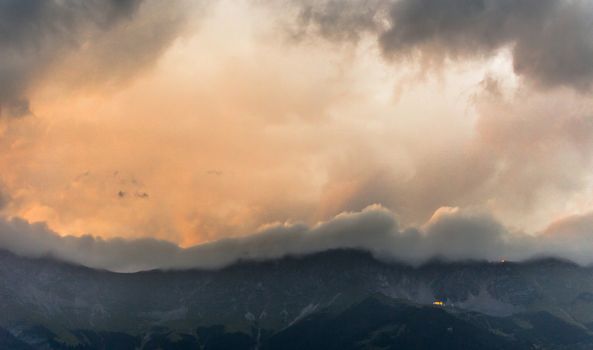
{"points": [[337, 299]]}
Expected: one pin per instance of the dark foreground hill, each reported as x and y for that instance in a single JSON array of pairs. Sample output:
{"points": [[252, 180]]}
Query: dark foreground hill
{"points": [[330, 300]]}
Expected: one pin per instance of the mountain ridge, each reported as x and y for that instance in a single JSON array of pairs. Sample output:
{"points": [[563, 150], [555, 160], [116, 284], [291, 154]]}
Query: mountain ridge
{"points": [[358, 251]]}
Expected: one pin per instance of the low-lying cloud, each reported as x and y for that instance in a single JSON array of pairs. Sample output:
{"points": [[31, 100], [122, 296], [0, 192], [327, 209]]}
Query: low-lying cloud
{"points": [[450, 234]]}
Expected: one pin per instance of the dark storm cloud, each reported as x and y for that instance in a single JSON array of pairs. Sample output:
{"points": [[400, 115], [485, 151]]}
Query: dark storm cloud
{"points": [[36, 35], [450, 234], [551, 41], [339, 19]]}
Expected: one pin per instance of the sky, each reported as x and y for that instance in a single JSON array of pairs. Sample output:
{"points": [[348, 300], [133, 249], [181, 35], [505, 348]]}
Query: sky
{"points": [[142, 134]]}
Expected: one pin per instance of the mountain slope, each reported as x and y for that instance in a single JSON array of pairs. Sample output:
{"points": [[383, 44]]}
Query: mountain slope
{"points": [[379, 324]]}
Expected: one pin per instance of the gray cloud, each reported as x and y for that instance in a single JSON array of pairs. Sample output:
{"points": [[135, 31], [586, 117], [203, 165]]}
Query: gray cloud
{"points": [[450, 234], [338, 19], [36, 35], [551, 41]]}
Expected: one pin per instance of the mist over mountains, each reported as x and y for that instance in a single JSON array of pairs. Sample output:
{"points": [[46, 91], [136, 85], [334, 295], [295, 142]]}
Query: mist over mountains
{"points": [[451, 234]]}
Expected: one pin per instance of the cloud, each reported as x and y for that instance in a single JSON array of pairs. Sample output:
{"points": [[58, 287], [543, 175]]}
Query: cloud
{"points": [[451, 234], [571, 236], [551, 41], [303, 132], [97, 41], [338, 19], [525, 151]]}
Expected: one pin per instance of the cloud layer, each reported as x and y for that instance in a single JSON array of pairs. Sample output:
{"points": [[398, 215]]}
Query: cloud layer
{"points": [[450, 234]]}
